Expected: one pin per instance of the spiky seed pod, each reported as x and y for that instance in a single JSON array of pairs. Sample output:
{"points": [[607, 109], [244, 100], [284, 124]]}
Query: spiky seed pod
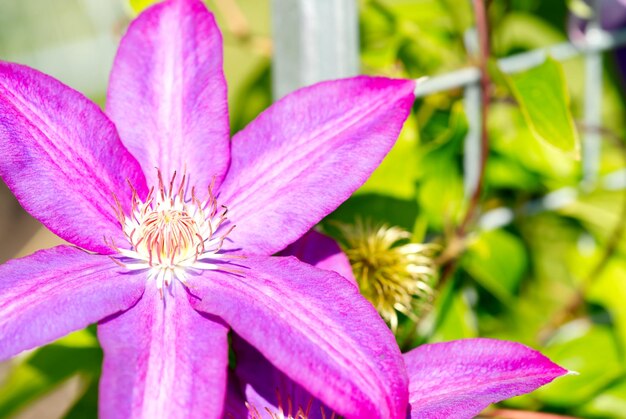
{"points": [[394, 274]]}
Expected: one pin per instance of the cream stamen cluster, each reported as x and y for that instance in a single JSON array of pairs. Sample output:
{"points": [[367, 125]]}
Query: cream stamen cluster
{"points": [[287, 412], [170, 234]]}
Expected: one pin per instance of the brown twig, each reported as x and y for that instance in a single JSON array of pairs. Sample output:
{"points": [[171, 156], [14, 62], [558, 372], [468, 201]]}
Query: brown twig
{"points": [[485, 84], [482, 25], [456, 245]]}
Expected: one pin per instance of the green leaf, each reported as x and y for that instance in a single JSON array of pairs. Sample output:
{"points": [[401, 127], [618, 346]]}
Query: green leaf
{"points": [[580, 8], [610, 403], [519, 30], [440, 193], [47, 368], [497, 260], [252, 97], [397, 174], [87, 405], [139, 6], [512, 138], [609, 289], [380, 209], [503, 172], [542, 96], [590, 350], [455, 318]]}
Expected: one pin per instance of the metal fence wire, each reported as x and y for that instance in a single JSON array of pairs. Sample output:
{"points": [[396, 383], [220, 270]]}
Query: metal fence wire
{"points": [[317, 40]]}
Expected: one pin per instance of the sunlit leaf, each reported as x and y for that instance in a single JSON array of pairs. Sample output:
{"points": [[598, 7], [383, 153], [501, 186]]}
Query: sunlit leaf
{"points": [[580, 8], [610, 403], [497, 260], [454, 318], [511, 137], [440, 193], [609, 289], [542, 95], [518, 30], [87, 405], [46, 368], [139, 6], [591, 351], [396, 176], [380, 209]]}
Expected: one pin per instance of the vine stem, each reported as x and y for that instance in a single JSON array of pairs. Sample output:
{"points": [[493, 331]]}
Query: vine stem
{"points": [[482, 27], [448, 259], [456, 245]]}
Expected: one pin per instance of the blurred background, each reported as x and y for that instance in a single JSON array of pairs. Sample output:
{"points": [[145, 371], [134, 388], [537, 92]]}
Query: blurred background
{"points": [[541, 257]]}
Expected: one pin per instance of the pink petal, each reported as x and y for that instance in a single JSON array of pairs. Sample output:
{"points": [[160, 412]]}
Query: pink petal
{"points": [[167, 93], [234, 406], [62, 158], [53, 292], [315, 327], [306, 154], [459, 379], [265, 387], [162, 359], [322, 252]]}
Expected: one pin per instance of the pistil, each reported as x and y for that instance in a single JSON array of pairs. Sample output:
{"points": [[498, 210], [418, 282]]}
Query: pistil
{"points": [[170, 233]]}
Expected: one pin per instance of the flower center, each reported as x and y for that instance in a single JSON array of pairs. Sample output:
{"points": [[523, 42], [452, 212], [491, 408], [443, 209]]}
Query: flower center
{"points": [[167, 237], [290, 411], [171, 234]]}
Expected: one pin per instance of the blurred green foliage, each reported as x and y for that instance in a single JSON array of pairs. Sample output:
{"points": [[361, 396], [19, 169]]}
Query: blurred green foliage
{"points": [[552, 275]]}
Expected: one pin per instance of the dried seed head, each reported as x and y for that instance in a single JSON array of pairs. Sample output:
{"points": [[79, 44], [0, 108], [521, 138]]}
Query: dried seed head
{"points": [[394, 274]]}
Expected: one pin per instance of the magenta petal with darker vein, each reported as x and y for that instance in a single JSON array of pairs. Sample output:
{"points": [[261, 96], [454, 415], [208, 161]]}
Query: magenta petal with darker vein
{"points": [[167, 93], [163, 359], [64, 161], [62, 158], [57, 291], [267, 389], [315, 327], [234, 405], [447, 380], [322, 252], [264, 387], [306, 154], [459, 379]]}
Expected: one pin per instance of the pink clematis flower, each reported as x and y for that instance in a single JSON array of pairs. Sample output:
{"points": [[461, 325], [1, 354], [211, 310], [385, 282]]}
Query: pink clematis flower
{"points": [[141, 193], [456, 379]]}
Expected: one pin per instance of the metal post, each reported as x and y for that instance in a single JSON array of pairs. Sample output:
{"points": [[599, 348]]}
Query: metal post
{"points": [[591, 145], [472, 103], [599, 42], [314, 40]]}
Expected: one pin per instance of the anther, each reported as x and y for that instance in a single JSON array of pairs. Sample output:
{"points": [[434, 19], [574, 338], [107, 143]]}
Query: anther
{"points": [[170, 234]]}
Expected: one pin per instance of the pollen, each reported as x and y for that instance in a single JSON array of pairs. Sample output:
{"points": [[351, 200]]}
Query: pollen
{"points": [[172, 232]]}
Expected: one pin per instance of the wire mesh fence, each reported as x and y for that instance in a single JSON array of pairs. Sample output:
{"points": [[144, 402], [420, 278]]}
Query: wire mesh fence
{"points": [[304, 29]]}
